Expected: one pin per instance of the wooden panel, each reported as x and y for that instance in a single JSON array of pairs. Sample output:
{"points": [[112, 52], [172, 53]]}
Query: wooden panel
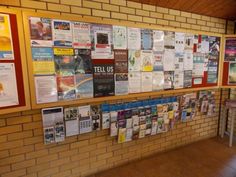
{"points": [[220, 8]]}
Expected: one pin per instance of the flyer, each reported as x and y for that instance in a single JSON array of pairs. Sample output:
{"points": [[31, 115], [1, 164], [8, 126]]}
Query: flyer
{"points": [[188, 60], [205, 44], [46, 89], [198, 65], [66, 87], [169, 40], [147, 60], [134, 38], [146, 39], [179, 42], [189, 42], [84, 86], [169, 60], [6, 45], [157, 80], [121, 84], [232, 73], [96, 117], [85, 124], [187, 78], [59, 131], [43, 61], [179, 62], [230, 49], [168, 80], [158, 40], [212, 71], [40, 32], [71, 118], [119, 37], [62, 33], [158, 58], [178, 79], [81, 35], [134, 82], [83, 61], [121, 61], [8, 85], [214, 47], [103, 79], [101, 38], [134, 60], [146, 82]]}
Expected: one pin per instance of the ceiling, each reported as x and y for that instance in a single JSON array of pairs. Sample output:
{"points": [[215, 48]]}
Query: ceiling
{"points": [[216, 8]]}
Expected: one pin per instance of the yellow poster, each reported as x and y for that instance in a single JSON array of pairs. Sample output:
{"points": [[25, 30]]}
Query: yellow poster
{"points": [[63, 51], [44, 67], [6, 47]]}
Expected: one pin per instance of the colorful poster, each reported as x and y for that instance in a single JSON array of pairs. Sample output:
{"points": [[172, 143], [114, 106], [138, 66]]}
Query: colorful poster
{"points": [[6, 45], [134, 60], [81, 35], [121, 84], [158, 40], [66, 87], [212, 72], [214, 43], [40, 32], [119, 37], [62, 33], [46, 89], [43, 61], [121, 61], [169, 40], [134, 38], [232, 73], [179, 42], [230, 49], [146, 39], [147, 60], [8, 85], [168, 80], [101, 38], [83, 61], [84, 86]]}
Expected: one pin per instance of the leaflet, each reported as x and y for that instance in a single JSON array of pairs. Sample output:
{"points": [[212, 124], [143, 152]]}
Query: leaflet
{"points": [[157, 80], [158, 58], [146, 39], [146, 85], [147, 60], [198, 65], [158, 40], [119, 37], [134, 60], [81, 35], [169, 40], [134, 38], [179, 42], [134, 82], [121, 84], [169, 60], [189, 42], [188, 60]]}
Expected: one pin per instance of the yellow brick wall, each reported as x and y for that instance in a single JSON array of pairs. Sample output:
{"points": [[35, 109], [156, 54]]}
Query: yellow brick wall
{"points": [[22, 152]]}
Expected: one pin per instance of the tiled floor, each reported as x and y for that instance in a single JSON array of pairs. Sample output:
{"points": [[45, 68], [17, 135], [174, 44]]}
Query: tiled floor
{"points": [[208, 158]]}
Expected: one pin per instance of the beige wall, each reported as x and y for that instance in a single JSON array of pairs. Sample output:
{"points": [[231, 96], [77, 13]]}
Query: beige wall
{"points": [[22, 152]]}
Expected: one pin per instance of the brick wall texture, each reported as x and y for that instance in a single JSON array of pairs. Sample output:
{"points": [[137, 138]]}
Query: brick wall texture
{"points": [[22, 152]]}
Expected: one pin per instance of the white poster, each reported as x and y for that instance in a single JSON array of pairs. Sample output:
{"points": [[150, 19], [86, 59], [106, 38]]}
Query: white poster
{"points": [[198, 65], [134, 82], [188, 60], [62, 33], [179, 42], [178, 79], [169, 40], [205, 45], [119, 37], [46, 89], [81, 35], [169, 60], [134, 38], [146, 85], [8, 85], [189, 38], [158, 40], [134, 60], [147, 60], [157, 80]]}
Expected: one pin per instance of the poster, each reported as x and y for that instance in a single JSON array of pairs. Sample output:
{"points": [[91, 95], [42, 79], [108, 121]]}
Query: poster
{"points": [[168, 80], [158, 58], [66, 87], [178, 79], [134, 82], [121, 84], [134, 60], [189, 42], [187, 78], [83, 61], [84, 86], [198, 65], [134, 38], [214, 44], [71, 118], [43, 61], [146, 82], [81, 35], [158, 40], [6, 45], [40, 32], [212, 73], [230, 49], [169, 40], [169, 60], [146, 39], [62, 33], [101, 38], [157, 80], [119, 37], [121, 61], [179, 42], [8, 85], [205, 46], [147, 60], [232, 73], [188, 60], [46, 89]]}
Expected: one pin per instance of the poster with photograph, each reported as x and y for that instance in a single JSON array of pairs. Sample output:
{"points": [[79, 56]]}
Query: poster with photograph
{"points": [[43, 61], [101, 38], [169, 40], [134, 60], [134, 38], [147, 60], [212, 73], [96, 117], [40, 32], [62, 33], [83, 61], [8, 85], [168, 80], [121, 84], [146, 39], [158, 40], [71, 118], [119, 37], [46, 89], [158, 58], [121, 61], [189, 42], [84, 86], [66, 87], [179, 42], [230, 49], [81, 35], [214, 43], [6, 45], [134, 82], [232, 73]]}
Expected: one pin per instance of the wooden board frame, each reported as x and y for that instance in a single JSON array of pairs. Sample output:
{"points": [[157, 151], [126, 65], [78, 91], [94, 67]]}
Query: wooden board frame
{"points": [[222, 61], [72, 17], [27, 105]]}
